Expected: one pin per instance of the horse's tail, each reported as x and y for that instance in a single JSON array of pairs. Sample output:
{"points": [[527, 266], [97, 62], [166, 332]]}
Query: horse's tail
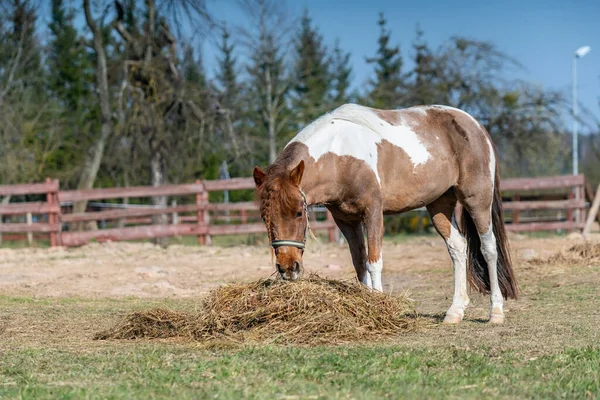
{"points": [[478, 272]]}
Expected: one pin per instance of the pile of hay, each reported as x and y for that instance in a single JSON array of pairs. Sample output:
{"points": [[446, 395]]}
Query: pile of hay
{"points": [[310, 311], [587, 253]]}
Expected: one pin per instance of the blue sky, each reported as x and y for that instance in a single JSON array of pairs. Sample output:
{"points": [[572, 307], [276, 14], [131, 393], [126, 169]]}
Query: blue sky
{"points": [[541, 35]]}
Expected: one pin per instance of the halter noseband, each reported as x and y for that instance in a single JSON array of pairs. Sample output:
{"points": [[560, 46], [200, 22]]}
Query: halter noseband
{"points": [[294, 243]]}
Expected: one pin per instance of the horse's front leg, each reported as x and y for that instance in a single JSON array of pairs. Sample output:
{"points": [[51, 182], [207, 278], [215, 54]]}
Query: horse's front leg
{"points": [[374, 226], [353, 233]]}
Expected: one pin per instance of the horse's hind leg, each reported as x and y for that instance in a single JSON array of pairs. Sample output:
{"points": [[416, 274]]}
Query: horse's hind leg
{"points": [[442, 216], [353, 232], [478, 204]]}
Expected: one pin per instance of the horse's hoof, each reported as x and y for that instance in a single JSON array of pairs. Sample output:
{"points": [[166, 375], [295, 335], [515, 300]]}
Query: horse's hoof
{"points": [[452, 319], [496, 319]]}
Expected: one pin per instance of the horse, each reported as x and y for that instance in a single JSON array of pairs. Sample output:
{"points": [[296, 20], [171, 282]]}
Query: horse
{"points": [[363, 163]]}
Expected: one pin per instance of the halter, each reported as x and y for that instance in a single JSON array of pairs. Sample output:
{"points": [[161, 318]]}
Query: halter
{"points": [[294, 243]]}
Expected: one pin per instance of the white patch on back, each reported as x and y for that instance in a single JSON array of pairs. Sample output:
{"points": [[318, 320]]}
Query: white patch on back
{"points": [[353, 130], [418, 110]]}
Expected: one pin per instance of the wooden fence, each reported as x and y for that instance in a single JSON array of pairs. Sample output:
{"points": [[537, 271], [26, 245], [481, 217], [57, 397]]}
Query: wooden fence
{"points": [[530, 204], [198, 217], [546, 203]]}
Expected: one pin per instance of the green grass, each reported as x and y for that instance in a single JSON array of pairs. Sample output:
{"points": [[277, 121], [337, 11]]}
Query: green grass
{"points": [[548, 348], [386, 371]]}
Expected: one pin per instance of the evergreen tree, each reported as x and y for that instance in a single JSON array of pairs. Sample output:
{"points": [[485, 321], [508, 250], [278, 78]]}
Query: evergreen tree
{"points": [[312, 83], [24, 20], [193, 68], [269, 83], [341, 72], [387, 86], [68, 63], [226, 75], [423, 89]]}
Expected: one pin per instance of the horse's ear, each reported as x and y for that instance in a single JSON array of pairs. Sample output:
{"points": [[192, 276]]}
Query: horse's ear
{"points": [[296, 174], [259, 177]]}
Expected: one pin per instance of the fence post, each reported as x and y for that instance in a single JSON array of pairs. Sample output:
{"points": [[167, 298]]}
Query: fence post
{"points": [[583, 212], [333, 234], [205, 202], [595, 208], [174, 214], [243, 216], [52, 199], [515, 218], [29, 220], [200, 212], [570, 214]]}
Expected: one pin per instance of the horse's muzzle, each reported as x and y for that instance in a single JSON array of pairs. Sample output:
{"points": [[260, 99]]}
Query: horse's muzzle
{"points": [[291, 272]]}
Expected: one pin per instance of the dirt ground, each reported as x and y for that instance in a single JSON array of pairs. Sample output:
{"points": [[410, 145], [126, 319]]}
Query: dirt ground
{"points": [[113, 270]]}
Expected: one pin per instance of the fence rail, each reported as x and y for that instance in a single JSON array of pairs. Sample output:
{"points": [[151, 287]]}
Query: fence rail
{"points": [[526, 207], [573, 205]]}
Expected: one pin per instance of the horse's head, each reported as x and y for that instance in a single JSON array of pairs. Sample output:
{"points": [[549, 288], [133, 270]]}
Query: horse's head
{"points": [[283, 209]]}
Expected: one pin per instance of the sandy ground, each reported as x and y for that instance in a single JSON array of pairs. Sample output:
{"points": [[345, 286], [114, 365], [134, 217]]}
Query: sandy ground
{"points": [[144, 270]]}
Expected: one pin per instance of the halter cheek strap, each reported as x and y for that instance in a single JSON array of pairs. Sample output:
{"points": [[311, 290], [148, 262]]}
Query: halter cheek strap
{"points": [[294, 243]]}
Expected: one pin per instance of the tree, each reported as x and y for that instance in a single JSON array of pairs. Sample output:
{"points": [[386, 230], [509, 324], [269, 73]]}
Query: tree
{"points": [[95, 152], [269, 82], [341, 73], [386, 92], [312, 80], [231, 93], [69, 84], [67, 59], [27, 136], [425, 74], [226, 74]]}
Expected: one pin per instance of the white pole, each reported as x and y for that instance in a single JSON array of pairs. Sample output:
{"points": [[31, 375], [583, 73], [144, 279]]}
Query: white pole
{"points": [[579, 53], [575, 138]]}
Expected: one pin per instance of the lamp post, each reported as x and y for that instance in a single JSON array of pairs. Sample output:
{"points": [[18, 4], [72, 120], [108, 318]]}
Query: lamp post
{"points": [[579, 53]]}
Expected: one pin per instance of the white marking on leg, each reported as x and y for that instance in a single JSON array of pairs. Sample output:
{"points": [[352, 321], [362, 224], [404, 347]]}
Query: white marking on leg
{"points": [[457, 248], [490, 253], [375, 269], [367, 280], [353, 130]]}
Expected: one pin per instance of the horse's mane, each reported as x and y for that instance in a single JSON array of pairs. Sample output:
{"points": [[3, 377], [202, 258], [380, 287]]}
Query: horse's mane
{"points": [[277, 184]]}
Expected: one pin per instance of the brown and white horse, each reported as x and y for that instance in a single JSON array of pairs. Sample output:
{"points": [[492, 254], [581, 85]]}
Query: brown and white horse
{"points": [[362, 163]]}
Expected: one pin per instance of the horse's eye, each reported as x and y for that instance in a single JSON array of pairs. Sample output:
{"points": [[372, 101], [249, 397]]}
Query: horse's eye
{"points": [[298, 214]]}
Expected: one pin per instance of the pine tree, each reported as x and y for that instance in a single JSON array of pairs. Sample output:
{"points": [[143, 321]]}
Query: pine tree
{"points": [[341, 72], [193, 69], [312, 76], [269, 83], [24, 20], [386, 91], [67, 60], [424, 73], [226, 75]]}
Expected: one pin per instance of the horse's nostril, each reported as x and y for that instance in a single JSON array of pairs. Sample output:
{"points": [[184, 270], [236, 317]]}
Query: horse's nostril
{"points": [[279, 269], [296, 266]]}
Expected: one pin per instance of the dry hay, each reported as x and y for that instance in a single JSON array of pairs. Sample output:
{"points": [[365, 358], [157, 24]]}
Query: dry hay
{"points": [[587, 253], [310, 311]]}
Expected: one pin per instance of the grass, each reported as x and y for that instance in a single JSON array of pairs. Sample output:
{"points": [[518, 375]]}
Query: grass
{"points": [[392, 371], [548, 348]]}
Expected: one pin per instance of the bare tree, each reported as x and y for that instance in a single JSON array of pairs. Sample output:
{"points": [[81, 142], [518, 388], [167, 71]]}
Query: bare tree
{"points": [[267, 43], [95, 153]]}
